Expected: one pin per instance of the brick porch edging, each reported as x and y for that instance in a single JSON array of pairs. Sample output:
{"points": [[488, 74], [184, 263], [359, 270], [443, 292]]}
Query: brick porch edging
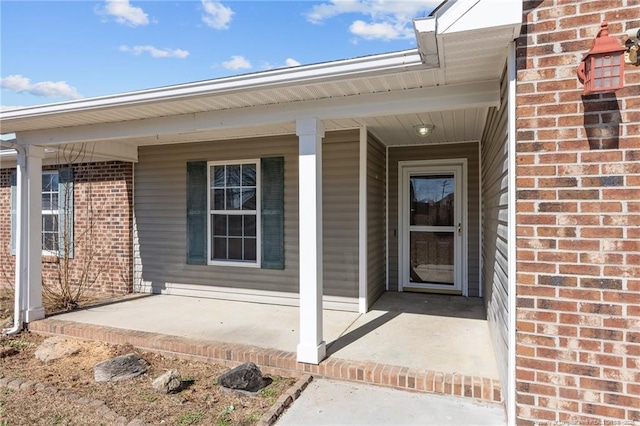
{"points": [[271, 417], [273, 361]]}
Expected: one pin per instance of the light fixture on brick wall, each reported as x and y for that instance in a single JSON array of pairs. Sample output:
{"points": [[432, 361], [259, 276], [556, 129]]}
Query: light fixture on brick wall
{"points": [[602, 68]]}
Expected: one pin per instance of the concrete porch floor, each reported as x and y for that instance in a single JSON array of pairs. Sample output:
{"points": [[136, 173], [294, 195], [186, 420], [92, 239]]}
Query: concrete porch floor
{"points": [[447, 334]]}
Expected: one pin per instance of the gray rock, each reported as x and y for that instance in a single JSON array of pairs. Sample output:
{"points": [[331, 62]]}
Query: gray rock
{"points": [[169, 382], [247, 377], [55, 348], [7, 351], [120, 368]]}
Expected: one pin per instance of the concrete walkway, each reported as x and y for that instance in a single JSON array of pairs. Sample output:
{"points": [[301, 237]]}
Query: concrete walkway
{"points": [[328, 402]]}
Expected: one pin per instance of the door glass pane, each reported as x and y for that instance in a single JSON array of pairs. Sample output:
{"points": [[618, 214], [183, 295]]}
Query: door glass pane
{"points": [[432, 200], [431, 257]]}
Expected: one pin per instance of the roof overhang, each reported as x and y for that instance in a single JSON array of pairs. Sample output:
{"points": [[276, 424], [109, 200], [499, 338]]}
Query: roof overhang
{"points": [[457, 67]]}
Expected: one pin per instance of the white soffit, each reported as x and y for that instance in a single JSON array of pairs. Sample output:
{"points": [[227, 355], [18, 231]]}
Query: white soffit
{"points": [[374, 74], [469, 38], [471, 15]]}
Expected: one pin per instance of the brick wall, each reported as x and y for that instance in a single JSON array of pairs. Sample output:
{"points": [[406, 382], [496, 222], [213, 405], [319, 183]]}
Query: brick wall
{"points": [[578, 222], [102, 191]]}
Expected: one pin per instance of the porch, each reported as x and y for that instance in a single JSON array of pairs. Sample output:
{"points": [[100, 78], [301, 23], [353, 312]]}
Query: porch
{"points": [[422, 342]]}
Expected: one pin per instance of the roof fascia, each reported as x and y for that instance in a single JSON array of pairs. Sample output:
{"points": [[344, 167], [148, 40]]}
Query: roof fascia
{"points": [[374, 64]]}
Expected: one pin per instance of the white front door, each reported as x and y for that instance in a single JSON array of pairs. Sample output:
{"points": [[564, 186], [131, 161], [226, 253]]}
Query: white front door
{"points": [[432, 226]]}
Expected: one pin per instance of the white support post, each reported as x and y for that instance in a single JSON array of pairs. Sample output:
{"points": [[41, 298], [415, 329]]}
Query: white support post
{"points": [[310, 131], [32, 250]]}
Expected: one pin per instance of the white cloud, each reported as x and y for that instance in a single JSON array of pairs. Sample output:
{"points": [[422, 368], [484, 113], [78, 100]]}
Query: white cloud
{"points": [[379, 30], [290, 62], [124, 13], [155, 52], [237, 62], [387, 19], [216, 15], [48, 89]]}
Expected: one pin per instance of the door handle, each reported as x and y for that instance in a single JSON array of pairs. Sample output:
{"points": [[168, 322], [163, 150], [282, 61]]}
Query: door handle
{"points": [[459, 228]]}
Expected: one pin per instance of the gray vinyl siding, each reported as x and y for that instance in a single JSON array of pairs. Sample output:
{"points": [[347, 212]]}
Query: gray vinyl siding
{"points": [[376, 225], [160, 215], [340, 212], [467, 150], [495, 213]]}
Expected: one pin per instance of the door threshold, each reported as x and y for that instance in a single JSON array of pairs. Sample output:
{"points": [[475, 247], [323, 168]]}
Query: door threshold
{"points": [[431, 290]]}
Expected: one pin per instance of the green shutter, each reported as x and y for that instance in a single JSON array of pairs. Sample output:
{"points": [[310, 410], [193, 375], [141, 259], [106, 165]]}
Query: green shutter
{"points": [[14, 218], [65, 211], [272, 211], [197, 213]]}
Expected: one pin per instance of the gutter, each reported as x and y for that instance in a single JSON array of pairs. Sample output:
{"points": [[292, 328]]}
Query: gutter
{"points": [[389, 62], [17, 311]]}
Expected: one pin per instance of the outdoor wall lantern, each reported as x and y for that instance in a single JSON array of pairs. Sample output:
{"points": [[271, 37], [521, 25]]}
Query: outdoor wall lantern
{"points": [[424, 130], [602, 68]]}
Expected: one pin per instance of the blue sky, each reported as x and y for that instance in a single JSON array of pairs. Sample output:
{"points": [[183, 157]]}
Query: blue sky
{"points": [[53, 51]]}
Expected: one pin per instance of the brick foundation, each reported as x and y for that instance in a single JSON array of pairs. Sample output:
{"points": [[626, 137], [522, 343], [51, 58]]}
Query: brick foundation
{"points": [[578, 222]]}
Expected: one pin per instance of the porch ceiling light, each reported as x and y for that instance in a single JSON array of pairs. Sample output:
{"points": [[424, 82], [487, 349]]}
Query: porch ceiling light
{"points": [[602, 68], [424, 130]]}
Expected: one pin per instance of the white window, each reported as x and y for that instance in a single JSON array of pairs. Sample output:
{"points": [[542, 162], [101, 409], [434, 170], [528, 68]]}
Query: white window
{"points": [[57, 212], [50, 212], [234, 212]]}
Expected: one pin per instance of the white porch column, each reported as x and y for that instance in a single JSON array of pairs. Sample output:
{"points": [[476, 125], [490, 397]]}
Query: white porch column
{"points": [[310, 131], [32, 218]]}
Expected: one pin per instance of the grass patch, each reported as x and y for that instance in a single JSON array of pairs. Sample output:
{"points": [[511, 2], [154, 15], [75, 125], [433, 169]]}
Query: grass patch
{"points": [[148, 396], [254, 417], [59, 419], [223, 421], [190, 418], [268, 393], [19, 344]]}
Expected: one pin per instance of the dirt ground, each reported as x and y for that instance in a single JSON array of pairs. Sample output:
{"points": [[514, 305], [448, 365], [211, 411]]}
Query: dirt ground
{"points": [[200, 402]]}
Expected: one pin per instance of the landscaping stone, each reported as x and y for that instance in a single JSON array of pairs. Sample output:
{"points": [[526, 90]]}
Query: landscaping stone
{"points": [[169, 382], [246, 377], [55, 348], [7, 351], [120, 368]]}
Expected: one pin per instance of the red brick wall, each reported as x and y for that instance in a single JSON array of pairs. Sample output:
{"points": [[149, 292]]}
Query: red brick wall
{"points": [[578, 222], [103, 191]]}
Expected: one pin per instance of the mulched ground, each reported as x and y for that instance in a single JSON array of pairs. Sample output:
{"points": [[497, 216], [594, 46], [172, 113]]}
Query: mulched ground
{"points": [[201, 401]]}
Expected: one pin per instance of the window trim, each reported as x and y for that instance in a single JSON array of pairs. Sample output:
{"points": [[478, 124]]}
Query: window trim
{"points": [[257, 212]]}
